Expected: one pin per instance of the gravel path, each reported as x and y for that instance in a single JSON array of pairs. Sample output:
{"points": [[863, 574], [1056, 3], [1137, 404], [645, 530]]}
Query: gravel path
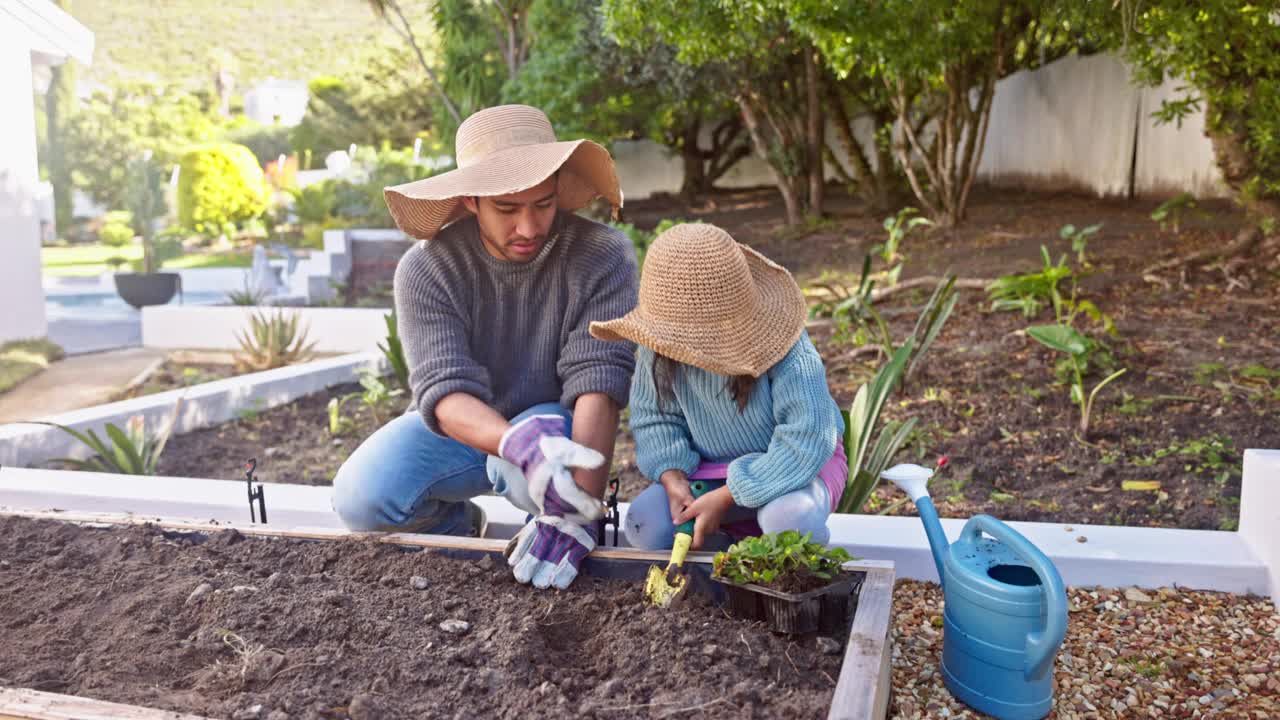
{"points": [[1164, 653]]}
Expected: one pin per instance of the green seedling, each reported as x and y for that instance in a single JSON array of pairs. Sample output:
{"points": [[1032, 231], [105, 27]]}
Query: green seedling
{"points": [[786, 558]]}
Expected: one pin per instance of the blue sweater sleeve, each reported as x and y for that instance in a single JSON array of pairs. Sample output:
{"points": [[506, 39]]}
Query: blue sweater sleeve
{"points": [[808, 425], [662, 436]]}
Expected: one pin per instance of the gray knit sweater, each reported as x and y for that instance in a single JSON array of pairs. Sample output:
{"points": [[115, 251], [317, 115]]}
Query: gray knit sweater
{"points": [[515, 335]]}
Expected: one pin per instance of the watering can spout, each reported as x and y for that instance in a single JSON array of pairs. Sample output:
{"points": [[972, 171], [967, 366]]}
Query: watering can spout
{"points": [[914, 481]]}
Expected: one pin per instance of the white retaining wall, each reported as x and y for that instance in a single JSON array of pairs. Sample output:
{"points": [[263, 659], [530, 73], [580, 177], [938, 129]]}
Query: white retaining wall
{"points": [[1239, 562], [1260, 510], [334, 330], [203, 405]]}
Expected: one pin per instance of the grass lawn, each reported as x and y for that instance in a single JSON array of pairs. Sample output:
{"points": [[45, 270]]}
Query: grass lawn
{"points": [[83, 260], [20, 359]]}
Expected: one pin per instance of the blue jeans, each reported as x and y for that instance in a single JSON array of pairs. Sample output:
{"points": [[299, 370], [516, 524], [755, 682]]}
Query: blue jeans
{"points": [[649, 525], [406, 478]]}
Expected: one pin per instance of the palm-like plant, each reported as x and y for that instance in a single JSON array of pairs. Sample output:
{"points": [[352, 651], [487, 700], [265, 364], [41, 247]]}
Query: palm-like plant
{"points": [[132, 451]]}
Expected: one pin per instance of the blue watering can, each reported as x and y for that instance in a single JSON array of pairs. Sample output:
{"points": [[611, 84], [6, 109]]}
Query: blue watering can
{"points": [[1006, 609]]}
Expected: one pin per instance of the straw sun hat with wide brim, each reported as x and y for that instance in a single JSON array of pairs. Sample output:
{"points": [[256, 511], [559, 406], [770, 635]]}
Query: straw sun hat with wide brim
{"points": [[503, 150], [710, 302]]}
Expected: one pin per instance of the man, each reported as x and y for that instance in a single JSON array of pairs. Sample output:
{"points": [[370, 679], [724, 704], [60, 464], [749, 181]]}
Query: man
{"points": [[511, 393]]}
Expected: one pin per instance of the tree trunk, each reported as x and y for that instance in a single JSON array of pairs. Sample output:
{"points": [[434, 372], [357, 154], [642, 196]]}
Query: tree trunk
{"points": [[752, 121], [406, 32], [694, 180], [1229, 136], [725, 151], [814, 131]]}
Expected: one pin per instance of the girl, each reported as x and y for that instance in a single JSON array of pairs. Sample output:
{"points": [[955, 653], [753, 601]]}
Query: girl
{"points": [[728, 388]]}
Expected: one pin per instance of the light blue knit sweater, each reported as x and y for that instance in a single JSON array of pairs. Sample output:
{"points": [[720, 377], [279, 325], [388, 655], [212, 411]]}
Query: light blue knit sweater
{"points": [[788, 430]]}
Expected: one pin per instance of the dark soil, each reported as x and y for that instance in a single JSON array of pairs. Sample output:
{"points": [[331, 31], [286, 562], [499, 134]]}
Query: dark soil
{"points": [[219, 624], [1200, 354], [292, 442]]}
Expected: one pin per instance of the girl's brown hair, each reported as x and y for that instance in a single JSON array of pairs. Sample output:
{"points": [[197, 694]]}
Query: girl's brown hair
{"points": [[664, 378]]}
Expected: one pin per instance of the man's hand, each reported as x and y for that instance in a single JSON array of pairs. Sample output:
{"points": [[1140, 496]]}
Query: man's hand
{"points": [[538, 447], [707, 512], [549, 551], [679, 496]]}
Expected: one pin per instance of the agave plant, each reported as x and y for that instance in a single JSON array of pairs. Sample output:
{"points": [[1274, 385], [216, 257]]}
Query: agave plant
{"points": [[869, 454], [132, 451], [273, 341]]}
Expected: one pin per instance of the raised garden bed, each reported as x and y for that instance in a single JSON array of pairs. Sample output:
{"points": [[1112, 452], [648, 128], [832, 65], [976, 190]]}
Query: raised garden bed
{"points": [[1168, 436], [217, 624]]}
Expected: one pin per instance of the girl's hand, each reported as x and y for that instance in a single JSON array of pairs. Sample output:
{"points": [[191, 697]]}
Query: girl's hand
{"points": [[679, 496], [707, 512]]}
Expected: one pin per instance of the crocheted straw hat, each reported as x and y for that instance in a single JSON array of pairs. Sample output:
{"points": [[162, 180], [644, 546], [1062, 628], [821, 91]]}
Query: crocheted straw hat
{"points": [[502, 150], [710, 302]]}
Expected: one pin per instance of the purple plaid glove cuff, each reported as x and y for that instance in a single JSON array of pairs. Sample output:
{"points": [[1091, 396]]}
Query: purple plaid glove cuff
{"points": [[520, 444], [549, 551]]}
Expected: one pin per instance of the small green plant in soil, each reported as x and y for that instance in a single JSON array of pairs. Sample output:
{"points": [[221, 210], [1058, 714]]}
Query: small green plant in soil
{"points": [[1068, 340], [857, 309], [377, 396], [134, 450], [1030, 293], [393, 352], [897, 228], [1171, 213], [1079, 239], [786, 561], [271, 341], [339, 424], [1211, 455]]}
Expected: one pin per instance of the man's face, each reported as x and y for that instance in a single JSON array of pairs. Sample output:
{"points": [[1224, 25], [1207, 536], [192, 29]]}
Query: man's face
{"points": [[514, 227]]}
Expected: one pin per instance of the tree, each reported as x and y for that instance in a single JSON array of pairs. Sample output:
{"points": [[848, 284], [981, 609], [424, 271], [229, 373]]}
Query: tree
{"points": [[590, 86], [116, 126], [939, 63], [1227, 54], [380, 102], [771, 71], [391, 12], [59, 105]]}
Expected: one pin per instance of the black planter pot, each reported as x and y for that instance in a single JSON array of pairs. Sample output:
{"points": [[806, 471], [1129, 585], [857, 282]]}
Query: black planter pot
{"points": [[826, 608], [142, 289]]}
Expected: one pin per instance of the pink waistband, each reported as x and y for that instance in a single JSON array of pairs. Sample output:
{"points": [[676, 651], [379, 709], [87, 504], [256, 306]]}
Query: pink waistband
{"points": [[834, 473]]}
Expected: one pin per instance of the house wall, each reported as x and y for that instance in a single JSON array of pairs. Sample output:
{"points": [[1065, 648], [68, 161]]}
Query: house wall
{"points": [[21, 296]]}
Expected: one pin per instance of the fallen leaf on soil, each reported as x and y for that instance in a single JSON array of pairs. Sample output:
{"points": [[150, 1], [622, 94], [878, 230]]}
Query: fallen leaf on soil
{"points": [[1140, 485]]}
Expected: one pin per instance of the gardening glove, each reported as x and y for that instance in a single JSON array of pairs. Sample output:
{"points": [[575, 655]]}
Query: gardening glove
{"points": [[549, 551], [538, 447]]}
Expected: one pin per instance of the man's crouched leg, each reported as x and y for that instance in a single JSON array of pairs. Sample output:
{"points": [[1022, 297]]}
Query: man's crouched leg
{"points": [[405, 478]]}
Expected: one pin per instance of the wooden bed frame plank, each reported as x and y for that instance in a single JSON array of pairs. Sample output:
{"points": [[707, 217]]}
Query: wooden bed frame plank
{"points": [[23, 704], [862, 692]]}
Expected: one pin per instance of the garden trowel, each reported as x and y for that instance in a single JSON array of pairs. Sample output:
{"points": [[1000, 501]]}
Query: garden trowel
{"points": [[663, 587]]}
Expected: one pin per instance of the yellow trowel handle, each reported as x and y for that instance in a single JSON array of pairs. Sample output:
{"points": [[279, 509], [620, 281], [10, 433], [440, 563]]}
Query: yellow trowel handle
{"points": [[684, 533], [680, 548]]}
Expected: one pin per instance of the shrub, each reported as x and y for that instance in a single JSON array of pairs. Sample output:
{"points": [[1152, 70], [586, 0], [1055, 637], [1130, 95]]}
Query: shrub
{"points": [[220, 185], [117, 229]]}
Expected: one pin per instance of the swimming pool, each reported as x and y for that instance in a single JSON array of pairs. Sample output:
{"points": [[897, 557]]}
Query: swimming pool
{"points": [[107, 305]]}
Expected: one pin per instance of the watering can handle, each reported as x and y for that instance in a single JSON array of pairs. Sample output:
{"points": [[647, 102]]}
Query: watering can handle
{"points": [[1042, 645]]}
